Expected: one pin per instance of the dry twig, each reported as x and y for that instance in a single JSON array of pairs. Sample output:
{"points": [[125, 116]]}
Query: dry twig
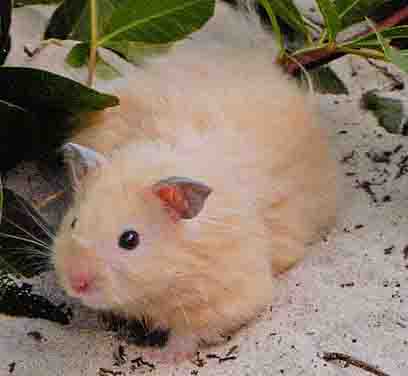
{"points": [[349, 360]]}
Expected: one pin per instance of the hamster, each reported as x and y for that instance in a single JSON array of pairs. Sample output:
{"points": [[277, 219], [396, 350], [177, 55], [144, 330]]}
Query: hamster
{"points": [[209, 179]]}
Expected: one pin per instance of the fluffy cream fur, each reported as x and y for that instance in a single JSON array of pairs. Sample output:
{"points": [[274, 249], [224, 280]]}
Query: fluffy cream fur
{"points": [[215, 109]]}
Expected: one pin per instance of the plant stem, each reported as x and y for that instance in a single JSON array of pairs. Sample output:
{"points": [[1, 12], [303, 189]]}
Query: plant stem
{"points": [[395, 19], [94, 43], [350, 7], [275, 25], [364, 52], [318, 56]]}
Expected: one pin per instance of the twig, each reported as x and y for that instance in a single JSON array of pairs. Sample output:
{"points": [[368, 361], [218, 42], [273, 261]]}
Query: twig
{"points": [[349, 360], [318, 57], [31, 52]]}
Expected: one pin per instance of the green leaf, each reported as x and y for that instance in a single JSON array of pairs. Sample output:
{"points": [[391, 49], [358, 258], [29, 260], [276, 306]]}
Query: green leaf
{"points": [[22, 3], [344, 7], [389, 111], [157, 21], [132, 29], [39, 111], [25, 236], [26, 135], [105, 8], [331, 18], [365, 8], [136, 52], [397, 57], [392, 54], [274, 22], [371, 39], [35, 89], [105, 70], [325, 81], [288, 12], [79, 57], [65, 18]]}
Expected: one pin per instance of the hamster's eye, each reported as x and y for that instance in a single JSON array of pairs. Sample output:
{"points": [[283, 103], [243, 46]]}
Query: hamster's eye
{"points": [[129, 240]]}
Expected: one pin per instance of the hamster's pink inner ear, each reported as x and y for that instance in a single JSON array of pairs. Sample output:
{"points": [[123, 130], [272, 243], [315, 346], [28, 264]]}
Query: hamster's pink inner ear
{"points": [[184, 197]]}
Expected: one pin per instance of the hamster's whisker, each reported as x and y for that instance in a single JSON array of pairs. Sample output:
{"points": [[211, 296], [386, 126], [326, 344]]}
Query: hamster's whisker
{"points": [[29, 251], [25, 231], [140, 301], [180, 305], [19, 267], [46, 231], [38, 260], [4, 235], [116, 291]]}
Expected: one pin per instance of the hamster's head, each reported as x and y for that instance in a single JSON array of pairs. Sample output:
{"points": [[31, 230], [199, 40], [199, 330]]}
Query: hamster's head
{"points": [[115, 248]]}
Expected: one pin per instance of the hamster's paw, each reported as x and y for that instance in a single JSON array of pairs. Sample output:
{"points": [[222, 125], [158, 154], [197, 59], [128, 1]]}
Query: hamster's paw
{"points": [[177, 350]]}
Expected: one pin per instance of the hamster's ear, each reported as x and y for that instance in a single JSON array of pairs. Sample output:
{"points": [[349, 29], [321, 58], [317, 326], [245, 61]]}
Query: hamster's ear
{"points": [[184, 197], [81, 161]]}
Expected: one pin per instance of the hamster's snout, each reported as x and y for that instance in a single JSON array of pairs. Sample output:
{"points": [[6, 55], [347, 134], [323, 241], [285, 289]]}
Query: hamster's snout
{"points": [[81, 282]]}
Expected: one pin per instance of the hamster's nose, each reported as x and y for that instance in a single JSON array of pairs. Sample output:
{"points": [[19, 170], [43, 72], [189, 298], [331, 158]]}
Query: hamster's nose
{"points": [[81, 282]]}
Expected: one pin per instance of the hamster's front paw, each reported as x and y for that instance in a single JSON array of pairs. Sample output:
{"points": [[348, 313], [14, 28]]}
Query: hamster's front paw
{"points": [[177, 350]]}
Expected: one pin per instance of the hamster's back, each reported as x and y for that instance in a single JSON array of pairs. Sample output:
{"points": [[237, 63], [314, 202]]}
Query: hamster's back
{"points": [[223, 113]]}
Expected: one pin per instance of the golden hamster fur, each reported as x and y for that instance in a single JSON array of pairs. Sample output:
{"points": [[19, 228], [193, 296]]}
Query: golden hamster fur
{"points": [[215, 176]]}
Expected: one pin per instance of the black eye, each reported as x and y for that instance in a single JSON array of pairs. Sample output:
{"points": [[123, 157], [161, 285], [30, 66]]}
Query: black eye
{"points": [[129, 240]]}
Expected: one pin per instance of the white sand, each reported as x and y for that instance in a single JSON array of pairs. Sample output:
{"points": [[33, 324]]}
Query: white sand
{"points": [[311, 311]]}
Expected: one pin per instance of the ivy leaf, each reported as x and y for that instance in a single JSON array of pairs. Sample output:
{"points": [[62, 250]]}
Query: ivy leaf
{"points": [[25, 236]]}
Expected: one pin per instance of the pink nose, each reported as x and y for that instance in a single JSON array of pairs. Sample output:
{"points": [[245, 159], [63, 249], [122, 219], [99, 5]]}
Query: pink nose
{"points": [[81, 282]]}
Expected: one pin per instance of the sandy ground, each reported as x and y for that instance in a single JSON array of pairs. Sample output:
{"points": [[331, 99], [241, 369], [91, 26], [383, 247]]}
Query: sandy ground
{"points": [[350, 296]]}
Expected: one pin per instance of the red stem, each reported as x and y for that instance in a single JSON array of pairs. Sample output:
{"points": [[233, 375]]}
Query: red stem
{"points": [[395, 19], [327, 54]]}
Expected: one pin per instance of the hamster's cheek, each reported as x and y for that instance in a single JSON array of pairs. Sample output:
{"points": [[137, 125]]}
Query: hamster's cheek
{"points": [[96, 300]]}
